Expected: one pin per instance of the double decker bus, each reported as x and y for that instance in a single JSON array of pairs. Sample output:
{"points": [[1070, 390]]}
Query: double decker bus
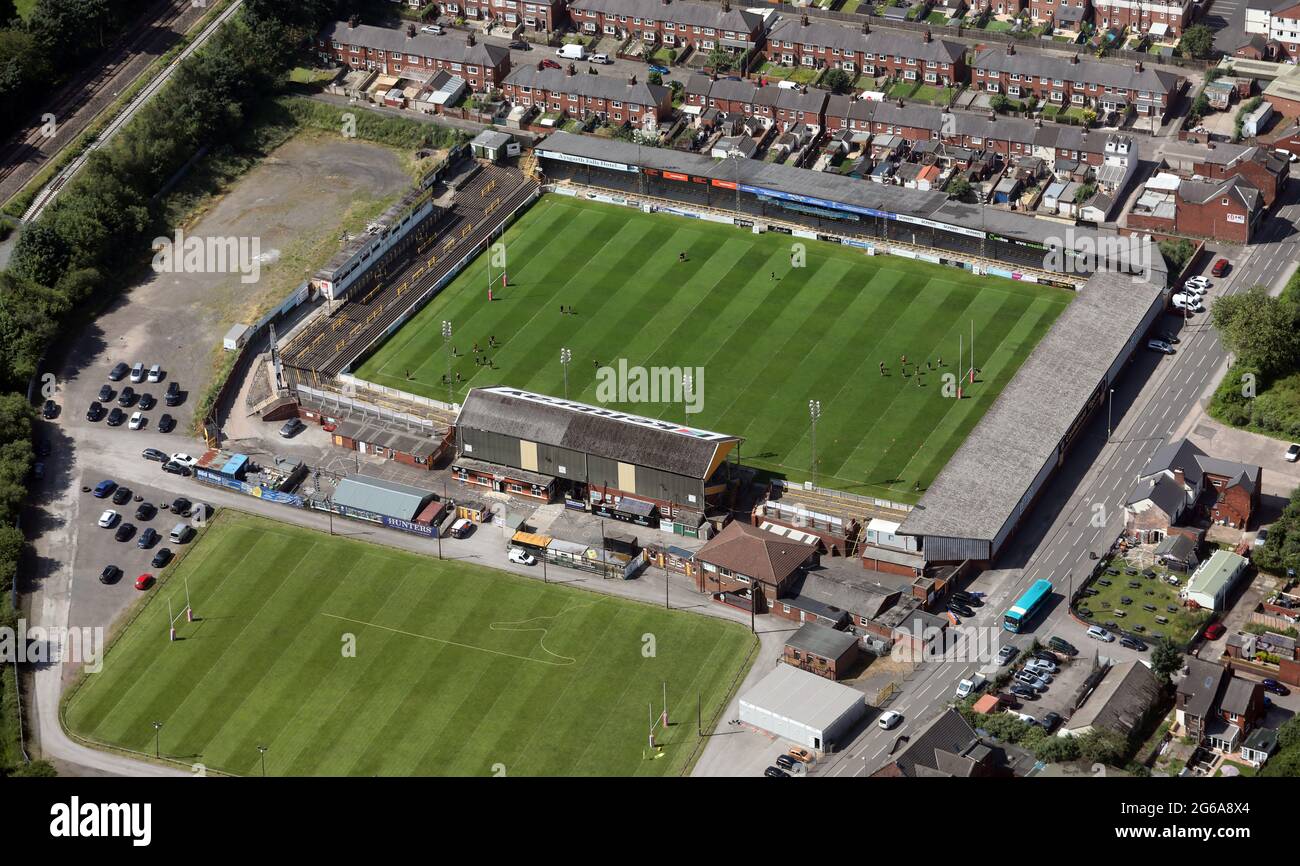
{"points": [[1026, 606]]}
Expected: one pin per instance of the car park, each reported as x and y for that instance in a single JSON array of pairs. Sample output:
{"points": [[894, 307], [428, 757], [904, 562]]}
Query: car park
{"points": [[161, 558], [104, 489], [119, 372], [137, 421], [1160, 346], [110, 574], [521, 556], [108, 519], [144, 581], [155, 455], [105, 393], [148, 538], [890, 719], [95, 411], [146, 511], [116, 417], [1096, 632], [124, 532], [173, 468], [166, 423], [1293, 452]]}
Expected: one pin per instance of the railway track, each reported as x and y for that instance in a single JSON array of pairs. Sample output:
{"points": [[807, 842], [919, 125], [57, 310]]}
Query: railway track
{"points": [[83, 99], [336, 341]]}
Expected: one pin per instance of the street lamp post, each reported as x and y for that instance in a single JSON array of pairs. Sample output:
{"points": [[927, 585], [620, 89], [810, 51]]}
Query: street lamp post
{"points": [[688, 383], [1110, 403], [261, 751], [157, 739], [565, 357], [446, 344], [814, 412]]}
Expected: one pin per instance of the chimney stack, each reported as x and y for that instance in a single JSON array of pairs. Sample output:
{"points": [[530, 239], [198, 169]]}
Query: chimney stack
{"points": [[726, 5], [926, 36], [541, 67], [410, 30], [1011, 49], [353, 21], [1074, 58], [803, 20], [866, 28], [469, 40], [1180, 478], [571, 70], [631, 80], [1137, 67]]}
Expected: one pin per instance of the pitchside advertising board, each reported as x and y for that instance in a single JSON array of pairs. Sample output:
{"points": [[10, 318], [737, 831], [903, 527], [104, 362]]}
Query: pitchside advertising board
{"points": [[255, 490]]}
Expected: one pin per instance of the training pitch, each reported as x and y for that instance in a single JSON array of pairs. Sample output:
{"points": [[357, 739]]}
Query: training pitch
{"points": [[458, 669], [767, 336]]}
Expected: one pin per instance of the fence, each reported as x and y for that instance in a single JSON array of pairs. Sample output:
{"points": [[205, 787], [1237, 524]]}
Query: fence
{"points": [[362, 407], [848, 498]]}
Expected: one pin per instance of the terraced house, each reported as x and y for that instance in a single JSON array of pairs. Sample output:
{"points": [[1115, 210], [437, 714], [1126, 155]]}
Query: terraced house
{"points": [[1072, 82], [394, 52], [816, 45], [784, 107], [678, 25], [1160, 19], [547, 15], [581, 94]]}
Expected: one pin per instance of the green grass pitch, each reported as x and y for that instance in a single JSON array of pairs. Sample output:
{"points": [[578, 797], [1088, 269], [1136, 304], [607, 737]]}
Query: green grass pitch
{"points": [[458, 668], [767, 346]]}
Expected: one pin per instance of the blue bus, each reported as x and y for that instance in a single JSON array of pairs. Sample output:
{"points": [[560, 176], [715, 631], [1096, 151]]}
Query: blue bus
{"points": [[1026, 606]]}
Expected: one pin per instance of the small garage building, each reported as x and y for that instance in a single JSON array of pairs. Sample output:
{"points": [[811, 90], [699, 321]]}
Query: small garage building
{"points": [[804, 708]]}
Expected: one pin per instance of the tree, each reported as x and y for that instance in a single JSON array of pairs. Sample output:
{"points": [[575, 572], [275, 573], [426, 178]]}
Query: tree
{"points": [[1166, 659], [1197, 41], [1054, 750], [1259, 329], [999, 103], [837, 81], [656, 78], [960, 188], [1100, 746]]}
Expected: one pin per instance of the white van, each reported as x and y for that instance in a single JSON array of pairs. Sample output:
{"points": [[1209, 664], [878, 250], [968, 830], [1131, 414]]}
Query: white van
{"points": [[181, 533], [572, 51]]}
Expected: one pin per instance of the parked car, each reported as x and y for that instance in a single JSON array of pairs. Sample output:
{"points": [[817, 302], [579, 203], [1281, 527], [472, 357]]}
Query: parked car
{"points": [[462, 528], [144, 581], [960, 609], [1201, 282], [602, 59], [1007, 653], [968, 598], [155, 373], [124, 532], [49, 410], [155, 455], [95, 411], [1192, 288], [126, 397], [161, 558], [122, 495], [435, 29], [1293, 453], [146, 511], [292, 428], [785, 762], [890, 719], [1046, 655], [105, 394], [180, 505], [1214, 631], [1220, 268], [1132, 643], [173, 397], [1160, 346], [1184, 301], [655, 67], [137, 373], [549, 63], [1261, 537], [776, 773], [38, 471], [521, 556], [1021, 690], [1272, 685], [1169, 337], [166, 423], [104, 489], [119, 371], [520, 45], [185, 460], [174, 468], [147, 402], [1033, 682], [148, 538], [1037, 664], [108, 519], [137, 421], [1050, 721], [116, 417], [110, 574], [1096, 632], [800, 754]]}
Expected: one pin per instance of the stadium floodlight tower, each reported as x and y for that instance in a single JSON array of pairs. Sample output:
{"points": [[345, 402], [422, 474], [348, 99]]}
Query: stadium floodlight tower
{"points": [[565, 357], [814, 412], [446, 344]]}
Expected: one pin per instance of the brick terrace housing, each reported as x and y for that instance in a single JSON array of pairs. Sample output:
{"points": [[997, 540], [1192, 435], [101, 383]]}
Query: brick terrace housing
{"points": [[393, 51], [1064, 14], [513, 13], [785, 107], [1144, 15], [1227, 210], [581, 94], [801, 42], [704, 26], [1216, 707], [1076, 82], [1265, 170], [1275, 25], [1178, 476]]}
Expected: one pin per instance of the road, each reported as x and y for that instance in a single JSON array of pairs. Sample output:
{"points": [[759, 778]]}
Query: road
{"points": [[1082, 511]]}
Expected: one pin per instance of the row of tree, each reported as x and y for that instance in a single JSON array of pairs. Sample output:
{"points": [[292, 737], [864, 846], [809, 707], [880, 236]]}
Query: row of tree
{"points": [[1262, 390]]}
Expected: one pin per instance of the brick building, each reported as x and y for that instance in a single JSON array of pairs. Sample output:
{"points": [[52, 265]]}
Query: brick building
{"points": [[514, 14], [821, 650], [1228, 210], [1274, 27], [678, 24], [582, 94], [394, 52], [1267, 171], [1215, 707], [1162, 19], [817, 45], [751, 563], [1074, 82], [782, 106]]}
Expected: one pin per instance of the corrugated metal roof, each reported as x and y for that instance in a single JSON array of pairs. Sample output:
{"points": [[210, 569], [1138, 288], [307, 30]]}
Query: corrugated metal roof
{"points": [[802, 697], [380, 497]]}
